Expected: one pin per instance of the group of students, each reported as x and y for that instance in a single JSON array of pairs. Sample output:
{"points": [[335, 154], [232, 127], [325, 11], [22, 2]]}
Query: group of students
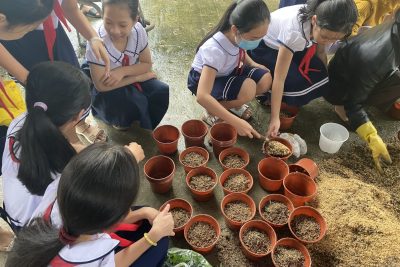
{"points": [[72, 205]]}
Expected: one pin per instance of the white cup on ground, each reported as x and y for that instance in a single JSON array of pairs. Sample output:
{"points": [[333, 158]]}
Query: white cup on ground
{"points": [[332, 137]]}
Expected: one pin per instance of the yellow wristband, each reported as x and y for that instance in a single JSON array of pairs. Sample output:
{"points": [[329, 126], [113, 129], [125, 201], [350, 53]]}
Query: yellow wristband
{"points": [[151, 242]]}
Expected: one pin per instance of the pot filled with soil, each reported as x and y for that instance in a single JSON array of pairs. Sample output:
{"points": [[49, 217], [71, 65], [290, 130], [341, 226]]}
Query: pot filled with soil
{"points": [[237, 208], [310, 166], [194, 157], [257, 238], [222, 135], [159, 171], [297, 168], [287, 116], [201, 182], [271, 172], [299, 188], [236, 181], [290, 252], [166, 137], [202, 233], [307, 224], [234, 158], [275, 209], [277, 147], [194, 132], [181, 211]]}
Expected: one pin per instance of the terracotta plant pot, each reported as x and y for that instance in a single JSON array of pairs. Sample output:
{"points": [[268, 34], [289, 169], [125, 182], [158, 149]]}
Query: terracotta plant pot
{"points": [[224, 176], [194, 132], [286, 122], [282, 141], [202, 196], [278, 198], [235, 225], [271, 172], [166, 137], [159, 171], [235, 151], [311, 212], [222, 135], [310, 166], [297, 168], [398, 135], [207, 219], [262, 226], [195, 149], [179, 203], [299, 188], [292, 243], [394, 111]]}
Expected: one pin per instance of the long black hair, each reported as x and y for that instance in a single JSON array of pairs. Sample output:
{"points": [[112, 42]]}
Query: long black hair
{"points": [[25, 12], [334, 15], [95, 192], [244, 14], [133, 6], [43, 150]]}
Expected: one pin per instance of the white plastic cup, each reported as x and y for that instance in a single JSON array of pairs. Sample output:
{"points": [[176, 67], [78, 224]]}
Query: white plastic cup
{"points": [[332, 137]]}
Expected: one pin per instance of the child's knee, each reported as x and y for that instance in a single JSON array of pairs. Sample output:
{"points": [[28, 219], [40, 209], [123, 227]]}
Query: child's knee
{"points": [[247, 91], [264, 84]]}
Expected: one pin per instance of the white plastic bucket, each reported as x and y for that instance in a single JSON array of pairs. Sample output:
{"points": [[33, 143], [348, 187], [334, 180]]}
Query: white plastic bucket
{"points": [[332, 137]]}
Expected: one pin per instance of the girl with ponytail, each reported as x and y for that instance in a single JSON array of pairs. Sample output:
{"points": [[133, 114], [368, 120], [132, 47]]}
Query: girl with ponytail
{"points": [[294, 49], [223, 77]]}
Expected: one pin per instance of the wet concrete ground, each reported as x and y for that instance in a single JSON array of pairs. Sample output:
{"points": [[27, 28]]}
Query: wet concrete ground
{"points": [[179, 27]]}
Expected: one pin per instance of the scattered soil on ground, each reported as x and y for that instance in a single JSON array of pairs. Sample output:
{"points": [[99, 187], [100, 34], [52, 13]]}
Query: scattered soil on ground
{"points": [[201, 182], [233, 161], [288, 257], [181, 216], [193, 160], [277, 149], [201, 234], [256, 241], [305, 227], [276, 212], [238, 211], [237, 183]]}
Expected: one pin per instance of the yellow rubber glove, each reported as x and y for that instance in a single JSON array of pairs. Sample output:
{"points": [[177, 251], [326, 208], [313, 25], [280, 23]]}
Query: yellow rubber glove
{"points": [[378, 148]]}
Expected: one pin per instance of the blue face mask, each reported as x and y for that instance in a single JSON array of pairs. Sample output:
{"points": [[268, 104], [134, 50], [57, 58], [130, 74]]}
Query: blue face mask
{"points": [[249, 45]]}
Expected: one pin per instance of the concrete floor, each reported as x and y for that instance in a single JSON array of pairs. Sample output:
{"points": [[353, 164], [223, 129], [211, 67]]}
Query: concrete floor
{"points": [[179, 27]]}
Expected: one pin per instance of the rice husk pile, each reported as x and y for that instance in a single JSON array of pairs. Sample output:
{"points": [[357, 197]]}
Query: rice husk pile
{"points": [[359, 206]]}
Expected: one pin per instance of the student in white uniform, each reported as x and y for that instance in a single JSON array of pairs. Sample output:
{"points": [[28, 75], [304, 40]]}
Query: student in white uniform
{"points": [[37, 146], [294, 49], [131, 92], [223, 77], [95, 194]]}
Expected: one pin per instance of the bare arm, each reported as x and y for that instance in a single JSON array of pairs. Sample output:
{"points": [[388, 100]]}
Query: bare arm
{"points": [[321, 53], [142, 67], [15, 68], [250, 62]]}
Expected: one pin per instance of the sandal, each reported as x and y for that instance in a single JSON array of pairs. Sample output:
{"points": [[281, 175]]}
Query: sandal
{"points": [[91, 133], [244, 112], [264, 100], [90, 12], [210, 119], [6, 240], [120, 128]]}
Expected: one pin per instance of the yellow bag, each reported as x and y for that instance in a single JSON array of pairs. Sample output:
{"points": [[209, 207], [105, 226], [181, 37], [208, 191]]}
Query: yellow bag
{"points": [[12, 103]]}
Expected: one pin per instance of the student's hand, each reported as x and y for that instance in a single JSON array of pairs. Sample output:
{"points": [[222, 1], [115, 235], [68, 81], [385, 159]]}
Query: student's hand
{"points": [[150, 214], [100, 52], [136, 150], [116, 75], [273, 127], [146, 76], [245, 129], [163, 225]]}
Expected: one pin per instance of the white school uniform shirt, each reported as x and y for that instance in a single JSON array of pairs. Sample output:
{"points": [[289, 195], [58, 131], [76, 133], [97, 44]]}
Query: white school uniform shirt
{"points": [[217, 53], [18, 201], [54, 18], [137, 42], [286, 29]]}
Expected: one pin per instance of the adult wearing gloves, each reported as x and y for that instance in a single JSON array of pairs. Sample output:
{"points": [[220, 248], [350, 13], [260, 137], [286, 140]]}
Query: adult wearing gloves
{"points": [[365, 71]]}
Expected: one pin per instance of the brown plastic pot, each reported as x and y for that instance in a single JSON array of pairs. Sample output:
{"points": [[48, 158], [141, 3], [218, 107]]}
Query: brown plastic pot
{"points": [[222, 135], [299, 188], [292, 243], [235, 225], [202, 196], [207, 219], [179, 203], [282, 141], [262, 226], [310, 166], [286, 123], [198, 150], [228, 173], [297, 168], [394, 111], [311, 212], [194, 132], [398, 135], [278, 198], [159, 171], [166, 137], [271, 172], [235, 151]]}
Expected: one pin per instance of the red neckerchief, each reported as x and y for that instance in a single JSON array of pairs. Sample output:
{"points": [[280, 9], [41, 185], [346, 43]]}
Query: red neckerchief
{"points": [[125, 62], [242, 58], [304, 67]]}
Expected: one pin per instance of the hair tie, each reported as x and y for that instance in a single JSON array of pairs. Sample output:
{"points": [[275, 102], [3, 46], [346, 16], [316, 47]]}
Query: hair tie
{"points": [[66, 238], [40, 105]]}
